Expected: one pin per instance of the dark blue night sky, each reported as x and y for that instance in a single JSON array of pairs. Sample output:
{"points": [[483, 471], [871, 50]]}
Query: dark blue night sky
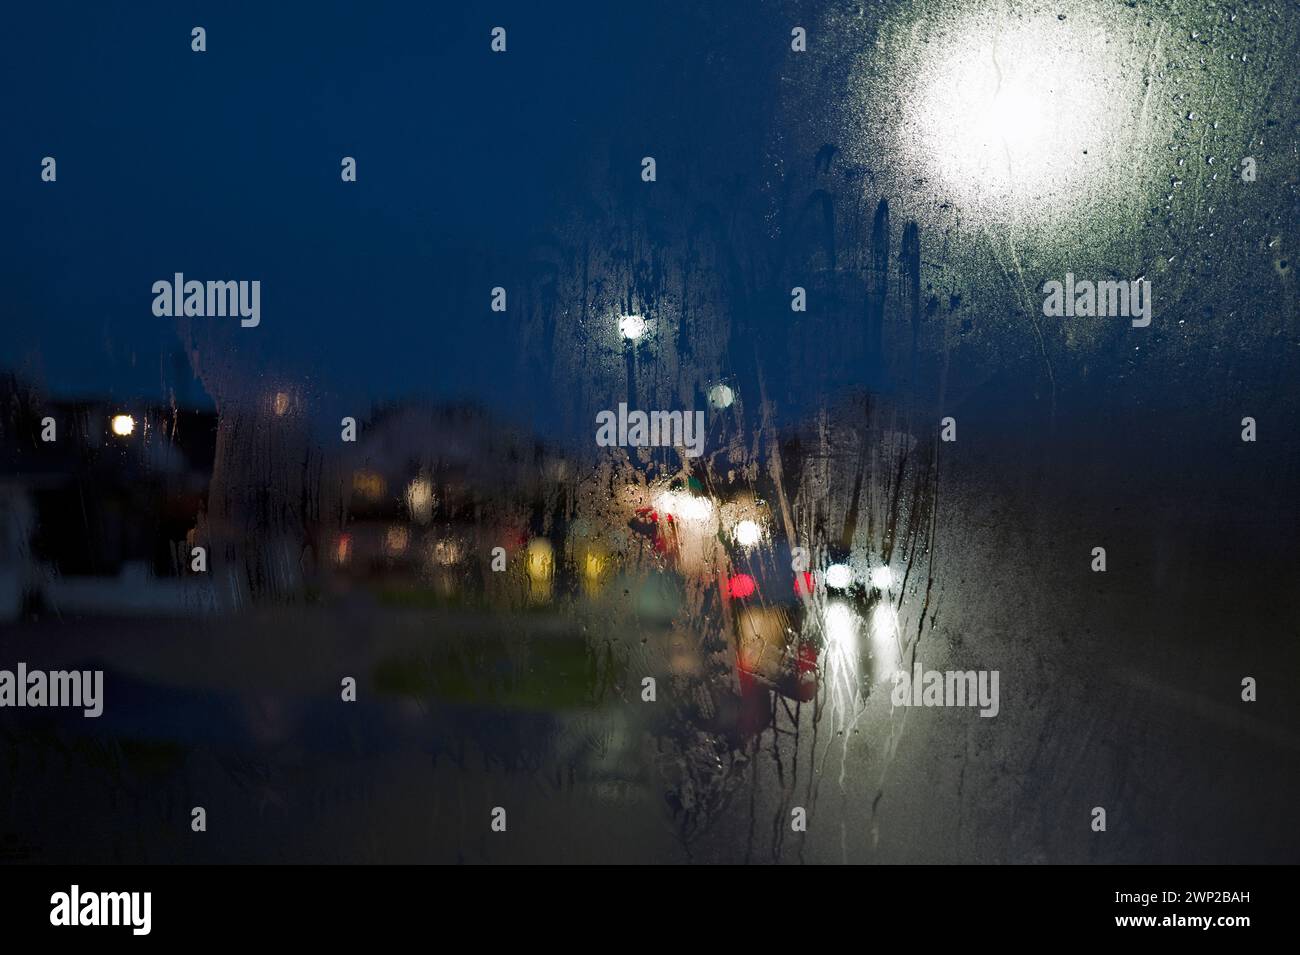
{"points": [[226, 165]]}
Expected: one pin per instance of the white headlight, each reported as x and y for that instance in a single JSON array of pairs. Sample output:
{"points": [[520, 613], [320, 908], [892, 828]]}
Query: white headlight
{"points": [[839, 576]]}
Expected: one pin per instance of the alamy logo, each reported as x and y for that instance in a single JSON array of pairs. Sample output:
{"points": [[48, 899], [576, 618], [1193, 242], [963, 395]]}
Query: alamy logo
{"points": [[103, 908], [1102, 299], [83, 688], [208, 299], [657, 429], [947, 688]]}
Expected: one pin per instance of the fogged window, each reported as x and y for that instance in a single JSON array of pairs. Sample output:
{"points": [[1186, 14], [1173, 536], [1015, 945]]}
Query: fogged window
{"points": [[820, 433]]}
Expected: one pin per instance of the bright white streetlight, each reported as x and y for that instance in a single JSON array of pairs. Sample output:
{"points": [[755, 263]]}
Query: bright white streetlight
{"points": [[1019, 116], [123, 425], [631, 327]]}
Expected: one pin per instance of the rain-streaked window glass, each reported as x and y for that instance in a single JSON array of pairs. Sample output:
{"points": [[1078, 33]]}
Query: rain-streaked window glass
{"points": [[798, 432]]}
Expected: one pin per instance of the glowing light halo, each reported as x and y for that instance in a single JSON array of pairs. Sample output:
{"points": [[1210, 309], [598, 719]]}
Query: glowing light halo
{"points": [[747, 533], [1008, 117], [839, 576], [632, 327], [1008, 111], [884, 637], [685, 506], [841, 626]]}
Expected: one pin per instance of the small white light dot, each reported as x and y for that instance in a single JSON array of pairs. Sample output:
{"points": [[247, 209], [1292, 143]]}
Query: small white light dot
{"points": [[631, 327], [684, 506]]}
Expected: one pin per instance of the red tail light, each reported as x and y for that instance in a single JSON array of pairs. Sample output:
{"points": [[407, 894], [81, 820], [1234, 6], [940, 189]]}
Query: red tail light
{"points": [[740, 586]]}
